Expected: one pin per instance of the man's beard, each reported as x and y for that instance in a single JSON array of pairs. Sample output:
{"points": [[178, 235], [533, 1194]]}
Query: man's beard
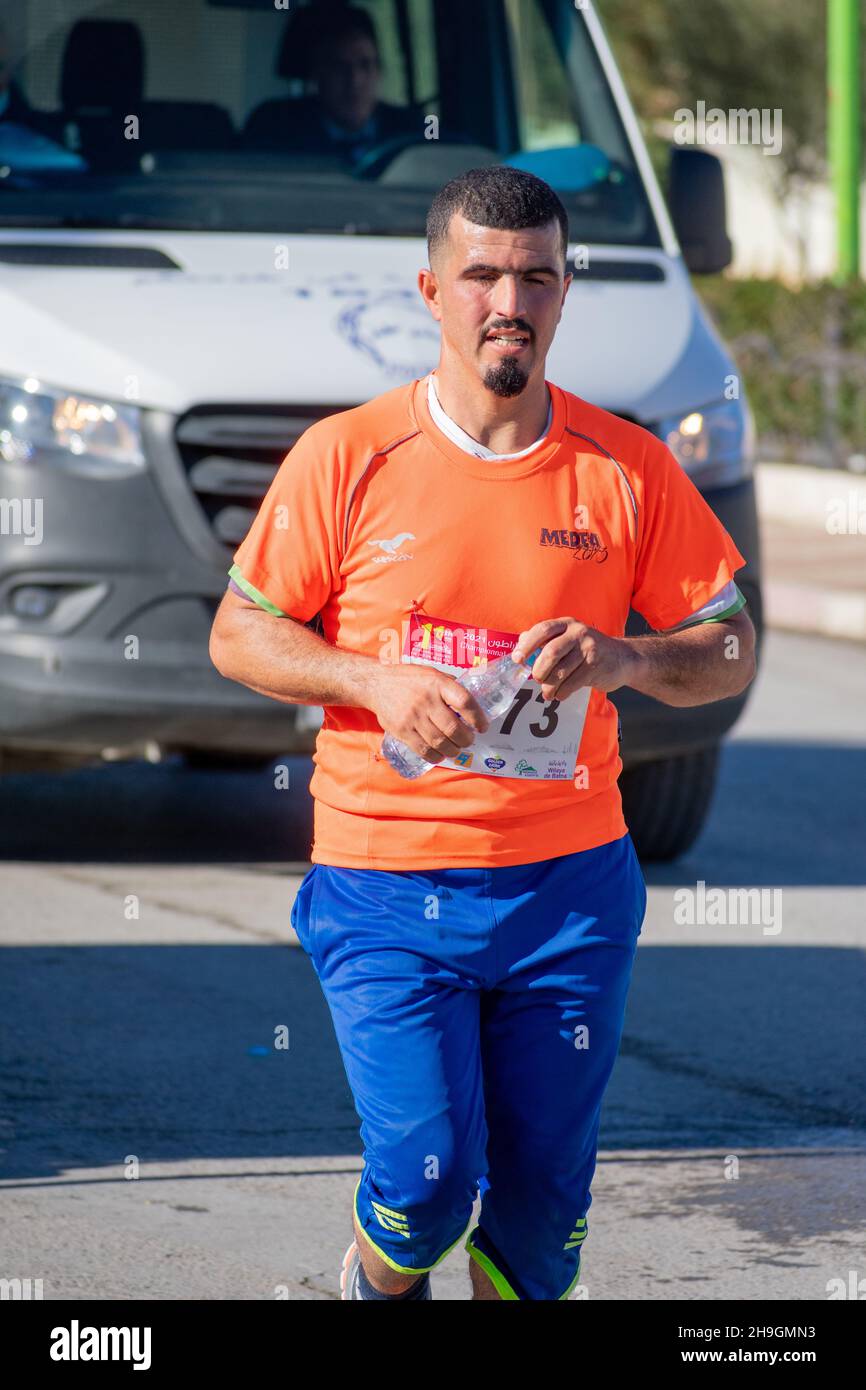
{"points": [[506, 379]]}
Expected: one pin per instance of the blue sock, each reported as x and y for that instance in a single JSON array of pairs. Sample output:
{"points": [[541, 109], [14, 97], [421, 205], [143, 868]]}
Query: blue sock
{"points": [[418, 1289]]}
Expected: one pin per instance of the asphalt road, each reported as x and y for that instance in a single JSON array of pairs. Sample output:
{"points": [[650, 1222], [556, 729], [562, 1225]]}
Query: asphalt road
{"points": [[154, 1144]]}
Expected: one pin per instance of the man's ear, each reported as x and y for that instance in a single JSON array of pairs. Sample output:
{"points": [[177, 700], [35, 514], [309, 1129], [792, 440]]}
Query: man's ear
{"points": [[428, 285], [565, 284]]}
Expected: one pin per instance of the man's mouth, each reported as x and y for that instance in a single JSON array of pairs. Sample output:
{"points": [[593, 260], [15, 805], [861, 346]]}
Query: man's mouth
{"points": [[508, 338]]}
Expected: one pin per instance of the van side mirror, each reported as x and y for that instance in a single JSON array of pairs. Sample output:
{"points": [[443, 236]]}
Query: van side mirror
{"points": [[696, 198]]}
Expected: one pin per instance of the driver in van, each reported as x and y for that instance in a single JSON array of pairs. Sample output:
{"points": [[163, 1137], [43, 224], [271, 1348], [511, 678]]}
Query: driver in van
{"points": [[345, 116]]}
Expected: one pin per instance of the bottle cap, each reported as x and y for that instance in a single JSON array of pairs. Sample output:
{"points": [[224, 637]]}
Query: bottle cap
{"points": [[531, 658]]}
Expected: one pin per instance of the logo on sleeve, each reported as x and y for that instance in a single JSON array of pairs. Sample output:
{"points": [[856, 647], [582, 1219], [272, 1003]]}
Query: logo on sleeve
{"points": [[583, 545], [390, 547]]}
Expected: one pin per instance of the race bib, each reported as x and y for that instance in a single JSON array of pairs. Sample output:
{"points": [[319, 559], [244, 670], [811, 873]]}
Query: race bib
{"points": [[534, 738]]}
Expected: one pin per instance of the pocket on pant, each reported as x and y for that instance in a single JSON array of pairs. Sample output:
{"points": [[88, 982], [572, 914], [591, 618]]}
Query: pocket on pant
{"points": [[302, 914], [640, 889]]}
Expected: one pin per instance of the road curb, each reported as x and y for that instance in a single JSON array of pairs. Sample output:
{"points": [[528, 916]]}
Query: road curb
{"points": [[804, 496], [819, 612], [817, 501]]}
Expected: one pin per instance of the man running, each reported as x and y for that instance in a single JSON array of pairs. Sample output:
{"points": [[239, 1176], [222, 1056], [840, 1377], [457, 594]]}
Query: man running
{"points": [[474, 930]]}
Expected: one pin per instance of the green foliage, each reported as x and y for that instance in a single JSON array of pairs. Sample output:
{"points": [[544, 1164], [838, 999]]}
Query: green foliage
{"points": [[730, 54], [802, 354]]}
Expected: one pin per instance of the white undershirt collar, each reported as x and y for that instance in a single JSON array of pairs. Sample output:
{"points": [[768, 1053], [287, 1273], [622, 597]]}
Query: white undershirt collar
{"points": [[465, 441]]}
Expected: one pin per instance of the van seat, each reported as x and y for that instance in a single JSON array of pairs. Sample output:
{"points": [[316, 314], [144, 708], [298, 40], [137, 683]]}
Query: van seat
{"points": [[102, 82]]}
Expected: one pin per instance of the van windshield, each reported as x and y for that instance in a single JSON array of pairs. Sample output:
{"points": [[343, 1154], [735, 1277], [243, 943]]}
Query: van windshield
{"points": [[317, 117]]}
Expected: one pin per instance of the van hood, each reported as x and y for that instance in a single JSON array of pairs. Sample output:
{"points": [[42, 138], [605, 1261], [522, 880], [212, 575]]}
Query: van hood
{"points": [[323, 320]]}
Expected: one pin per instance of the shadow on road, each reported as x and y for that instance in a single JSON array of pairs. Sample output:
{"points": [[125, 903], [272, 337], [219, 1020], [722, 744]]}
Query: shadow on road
{"points": [[164, 813], [167, 1053], [784, 814]]}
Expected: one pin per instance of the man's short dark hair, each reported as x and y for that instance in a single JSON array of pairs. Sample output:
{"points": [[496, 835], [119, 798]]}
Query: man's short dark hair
{"points": [[499, 196]]}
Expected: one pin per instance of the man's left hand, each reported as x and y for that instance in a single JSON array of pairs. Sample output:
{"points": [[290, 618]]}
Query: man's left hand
{"points": [[575, 656]]}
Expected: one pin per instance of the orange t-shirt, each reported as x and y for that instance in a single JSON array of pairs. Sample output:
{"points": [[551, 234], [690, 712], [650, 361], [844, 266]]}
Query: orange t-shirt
{"points": [[412, 549]]}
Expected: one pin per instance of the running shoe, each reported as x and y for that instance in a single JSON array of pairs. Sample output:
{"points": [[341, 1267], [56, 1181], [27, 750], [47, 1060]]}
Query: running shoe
{"points": [[349, 1273], [349, 1280]]}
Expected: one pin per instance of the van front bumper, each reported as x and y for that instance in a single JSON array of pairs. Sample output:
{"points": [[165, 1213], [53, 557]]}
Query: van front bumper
{"points": [[133, 574], [122, 658], [71, 694]]}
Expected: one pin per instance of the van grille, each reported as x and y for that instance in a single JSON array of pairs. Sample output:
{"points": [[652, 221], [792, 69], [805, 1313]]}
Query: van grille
{"points": [[231, 454]]}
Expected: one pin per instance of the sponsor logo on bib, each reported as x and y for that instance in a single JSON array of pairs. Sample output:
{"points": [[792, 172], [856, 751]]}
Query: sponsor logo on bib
{"points": [[535, 739]]}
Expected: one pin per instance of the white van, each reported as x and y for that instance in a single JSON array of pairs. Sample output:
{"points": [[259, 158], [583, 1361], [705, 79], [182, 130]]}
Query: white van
{"points": [[196, 263]]}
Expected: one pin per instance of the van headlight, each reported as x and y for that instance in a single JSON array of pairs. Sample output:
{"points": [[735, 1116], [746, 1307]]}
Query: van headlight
{"points": [[44, 425], [714, 445]]}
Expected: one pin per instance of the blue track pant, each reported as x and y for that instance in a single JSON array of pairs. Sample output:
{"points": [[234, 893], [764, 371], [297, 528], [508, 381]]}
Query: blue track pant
{"points": [[478, 1013]]}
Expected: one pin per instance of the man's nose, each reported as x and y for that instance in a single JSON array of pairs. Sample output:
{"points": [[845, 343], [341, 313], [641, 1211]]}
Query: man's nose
{"points": [[508, 300]]}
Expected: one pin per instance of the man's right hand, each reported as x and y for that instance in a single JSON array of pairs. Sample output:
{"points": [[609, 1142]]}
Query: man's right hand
{"points": [[417, 705]]}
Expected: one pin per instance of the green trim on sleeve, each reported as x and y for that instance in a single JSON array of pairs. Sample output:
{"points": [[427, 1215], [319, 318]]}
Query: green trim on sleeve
{"points": [[692, 621], [253, 593], [729, 612]]}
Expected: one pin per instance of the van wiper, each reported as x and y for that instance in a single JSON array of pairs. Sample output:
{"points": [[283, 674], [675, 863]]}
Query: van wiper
{"points": [[27, 212]]}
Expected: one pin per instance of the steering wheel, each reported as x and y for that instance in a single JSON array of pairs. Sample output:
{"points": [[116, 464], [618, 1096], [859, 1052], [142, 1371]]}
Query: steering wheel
{"points": [[377, 159]]}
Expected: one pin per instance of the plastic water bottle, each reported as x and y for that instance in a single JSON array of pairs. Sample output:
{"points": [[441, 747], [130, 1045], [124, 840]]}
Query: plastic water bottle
{"points": [[493, 687]]}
